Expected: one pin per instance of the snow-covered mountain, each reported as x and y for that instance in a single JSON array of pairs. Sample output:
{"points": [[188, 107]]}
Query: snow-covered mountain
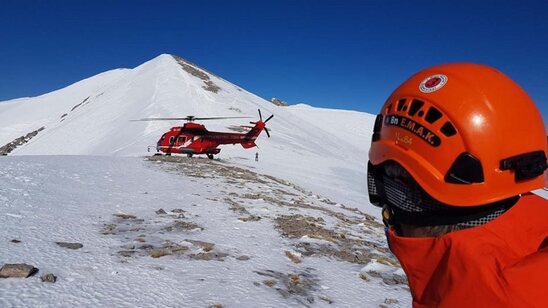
{"points": [[117, 229], [318, 148]]}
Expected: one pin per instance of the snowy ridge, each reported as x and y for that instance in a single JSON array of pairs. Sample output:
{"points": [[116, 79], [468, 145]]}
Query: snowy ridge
{"points": [[294, 229], [92, 117]]}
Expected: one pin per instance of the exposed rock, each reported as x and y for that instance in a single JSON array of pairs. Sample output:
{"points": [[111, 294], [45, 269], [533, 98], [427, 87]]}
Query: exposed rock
{"points": [[395, 279], [6, 149], [161, 212], [390, 301], [109, 229], [178, 211], [210, 86], [49, 278], [326, 299], [15, 241], [195, 71], [278, 102], [364, 276], [17, 270], [126, 253], [250, 218], [293, 284], [157, 253], [209, 256], [269, 283], [243, 258], [125, 216], [294, 258], [70, 245], [182, 225], [80, 104]]}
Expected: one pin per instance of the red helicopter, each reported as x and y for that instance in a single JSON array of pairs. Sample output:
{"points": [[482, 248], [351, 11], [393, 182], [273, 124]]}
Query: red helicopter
{"points": [[193, 138]]}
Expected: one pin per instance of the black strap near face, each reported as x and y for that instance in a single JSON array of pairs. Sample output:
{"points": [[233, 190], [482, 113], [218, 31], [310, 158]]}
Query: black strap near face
{"points": [[450, 216], [427, 211]]}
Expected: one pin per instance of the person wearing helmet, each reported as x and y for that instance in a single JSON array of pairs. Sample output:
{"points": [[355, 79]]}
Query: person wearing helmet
{"points": [[455, 152]]}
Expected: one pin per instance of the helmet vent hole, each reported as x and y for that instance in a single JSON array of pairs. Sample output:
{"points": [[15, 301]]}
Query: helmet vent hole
{"points": [[415, 106], [432, 115], [448, 129], [401, 104]]}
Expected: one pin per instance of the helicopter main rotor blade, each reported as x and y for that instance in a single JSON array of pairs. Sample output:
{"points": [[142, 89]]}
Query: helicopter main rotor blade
{"points": [[270, 117], [159, 119], [260, 115], [188, 118], [220, 118], [267, 133]]}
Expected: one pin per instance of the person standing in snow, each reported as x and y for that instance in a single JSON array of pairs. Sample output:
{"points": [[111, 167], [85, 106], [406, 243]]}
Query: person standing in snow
{"points": [[256, 156], [455, 152]]}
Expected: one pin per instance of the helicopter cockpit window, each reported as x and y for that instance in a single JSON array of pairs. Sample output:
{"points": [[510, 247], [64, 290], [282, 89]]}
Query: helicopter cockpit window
{"points": [[181, 139], [171, 139]]}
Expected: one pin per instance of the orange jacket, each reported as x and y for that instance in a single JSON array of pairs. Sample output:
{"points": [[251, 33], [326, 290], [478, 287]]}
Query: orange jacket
{"points": [[503, 263]]}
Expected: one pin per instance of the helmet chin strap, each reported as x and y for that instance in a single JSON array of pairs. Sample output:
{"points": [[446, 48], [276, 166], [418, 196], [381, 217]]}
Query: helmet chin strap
{"points": [[408, 204]]}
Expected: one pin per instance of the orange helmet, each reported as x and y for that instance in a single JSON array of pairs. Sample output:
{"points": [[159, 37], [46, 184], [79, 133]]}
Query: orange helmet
{"points": [[467, 134]]}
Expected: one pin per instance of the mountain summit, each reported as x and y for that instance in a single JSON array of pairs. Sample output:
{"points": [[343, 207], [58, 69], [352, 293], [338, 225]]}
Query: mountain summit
{"points": [[92, 117]]}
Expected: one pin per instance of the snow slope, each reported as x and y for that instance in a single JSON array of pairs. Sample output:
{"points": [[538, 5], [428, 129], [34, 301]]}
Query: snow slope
{"points": [[320, 149], [231, 238]]}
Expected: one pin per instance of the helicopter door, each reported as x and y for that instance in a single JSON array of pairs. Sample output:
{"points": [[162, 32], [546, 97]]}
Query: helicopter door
{"points": [[181, 140]]}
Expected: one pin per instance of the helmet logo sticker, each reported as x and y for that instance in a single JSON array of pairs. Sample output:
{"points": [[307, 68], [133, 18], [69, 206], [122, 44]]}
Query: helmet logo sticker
{"points": [[414, 127], [433, 83]]}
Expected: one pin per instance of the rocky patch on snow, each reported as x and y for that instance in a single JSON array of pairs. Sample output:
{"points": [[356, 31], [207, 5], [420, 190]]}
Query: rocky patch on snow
{"points": [[315, 227], [278, 102], [6, 149], [193, 70], [20, 270], [73, 246]]}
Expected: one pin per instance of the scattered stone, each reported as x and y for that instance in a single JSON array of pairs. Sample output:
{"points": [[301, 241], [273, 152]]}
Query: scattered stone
{"points": [[140, 239], [243, 258], [364, 276], [395, 279], [15, 241], [257, 284], [178, 211], [109, 229], [269, 283], [49, 278], [390, 301], [209, 256], [125, 216], [157, 253], [216, 306], [250, 218], [17, 270], [70, 245], [126, 253], [326, 299], [294, 258], [374, 274], [294, 284], [146, 247], [182, 225], [161, 212]]}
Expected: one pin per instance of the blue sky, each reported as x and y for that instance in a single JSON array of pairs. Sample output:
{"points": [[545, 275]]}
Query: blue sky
{"points": [[336, 54]]}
